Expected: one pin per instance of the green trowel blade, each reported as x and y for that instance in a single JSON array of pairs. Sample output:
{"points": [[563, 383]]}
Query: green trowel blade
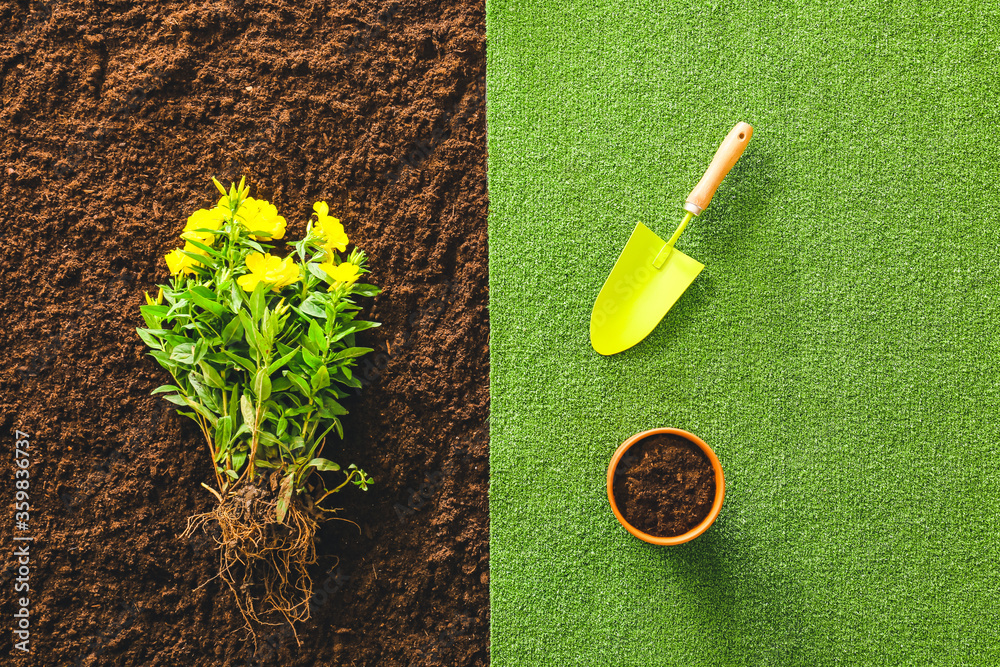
{"points": [[637, 295]]}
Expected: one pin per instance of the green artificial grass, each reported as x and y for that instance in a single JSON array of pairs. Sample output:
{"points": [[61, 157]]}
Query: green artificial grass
{"points": [[839, 351]]}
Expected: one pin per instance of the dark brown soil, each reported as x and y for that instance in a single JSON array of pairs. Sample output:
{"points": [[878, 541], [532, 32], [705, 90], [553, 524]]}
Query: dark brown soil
{"points": [[113, 119], [664, 485]]}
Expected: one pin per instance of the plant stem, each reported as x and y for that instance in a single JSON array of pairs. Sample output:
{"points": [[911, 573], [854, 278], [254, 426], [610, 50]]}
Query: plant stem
{"points": [[204, 429], [337, 489]]}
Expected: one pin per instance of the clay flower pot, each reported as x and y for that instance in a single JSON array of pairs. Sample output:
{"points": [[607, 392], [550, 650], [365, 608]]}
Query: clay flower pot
{"points": [[720, 486]]}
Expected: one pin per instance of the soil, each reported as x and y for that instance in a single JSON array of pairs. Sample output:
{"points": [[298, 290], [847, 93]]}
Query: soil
{"points": [[113, 119], [664, 485]]}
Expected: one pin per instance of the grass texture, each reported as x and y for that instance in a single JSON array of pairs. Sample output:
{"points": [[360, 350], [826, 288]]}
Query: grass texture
{"points": [[839, 352]]}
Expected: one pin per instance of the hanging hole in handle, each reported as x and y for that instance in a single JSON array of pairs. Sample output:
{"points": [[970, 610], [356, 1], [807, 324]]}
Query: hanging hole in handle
{"points": [[742, 135]]}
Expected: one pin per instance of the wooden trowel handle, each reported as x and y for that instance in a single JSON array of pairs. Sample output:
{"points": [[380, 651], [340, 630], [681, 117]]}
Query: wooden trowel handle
{"points": [[727, 155]]}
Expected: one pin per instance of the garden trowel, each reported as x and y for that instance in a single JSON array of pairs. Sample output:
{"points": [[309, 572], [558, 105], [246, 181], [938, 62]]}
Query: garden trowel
{"points": [[650, 274]]}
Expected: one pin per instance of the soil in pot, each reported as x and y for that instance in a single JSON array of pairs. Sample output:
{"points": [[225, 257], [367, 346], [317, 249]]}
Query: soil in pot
{"points": [[664, 485]]}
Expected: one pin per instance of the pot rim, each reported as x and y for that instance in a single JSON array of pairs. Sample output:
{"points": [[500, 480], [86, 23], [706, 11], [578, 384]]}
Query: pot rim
{"points": [[720, 488]]}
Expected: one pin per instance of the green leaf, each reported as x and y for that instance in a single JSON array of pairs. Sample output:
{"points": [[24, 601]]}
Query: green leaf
{"points": [[231, 405], [183, 353], [311, 359], [318, 272], [268, 439], [362, 325], [164, 359], [231, 331], [197, 381], [315, 445], [299, 382], [296, 444], [246, 320], [153, 315], [201, 246], [164, 334], [239, 458], [257, 301], [176, 399], [351, 352], [203, 291], [324, 464], [317, 336], [268, 327], [164, 387], [306, 344], [340, 334], [202, 410], [279, 385], [364, 289], [301, 410], [242, 361], [210, 305], [320, 379], [333, 408], [261, 463], [204, 259], [223, 431], [200, 350], [262, 385], [212, 377], [236, 295], [314, 305], [149, 339], [284, 497], [282, 427], [248, 412], [232, 473], [240, 431], [281, 362], [176, 310], [334, 424], [250, 332]]}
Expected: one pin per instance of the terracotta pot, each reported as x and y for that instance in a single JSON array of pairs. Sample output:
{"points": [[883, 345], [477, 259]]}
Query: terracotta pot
{"points": [[720, 487]]}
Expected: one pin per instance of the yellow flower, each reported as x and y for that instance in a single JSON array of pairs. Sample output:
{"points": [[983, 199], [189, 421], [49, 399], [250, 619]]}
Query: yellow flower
{"points": [[341, 273], [269, 269], [224, 203], [203, 219], [219, 186], [177, 261], [329, 229], [241, 190], [258, 215], [159, 298]]}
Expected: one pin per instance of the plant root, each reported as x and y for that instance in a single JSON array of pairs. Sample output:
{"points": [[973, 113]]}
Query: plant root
{"points": [[265, 563]]}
